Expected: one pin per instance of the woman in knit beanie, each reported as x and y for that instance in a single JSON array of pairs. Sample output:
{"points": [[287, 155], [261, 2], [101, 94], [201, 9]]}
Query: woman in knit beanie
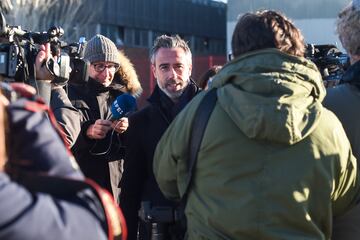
{"points": [[104, 60], [85, 112]]}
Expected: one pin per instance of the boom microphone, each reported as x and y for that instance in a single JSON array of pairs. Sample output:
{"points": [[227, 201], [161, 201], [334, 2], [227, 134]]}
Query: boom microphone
{"points": [[123, 105]]}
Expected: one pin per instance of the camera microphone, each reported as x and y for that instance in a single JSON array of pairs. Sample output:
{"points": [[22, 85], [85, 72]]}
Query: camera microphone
{"points": [[123, 105]]}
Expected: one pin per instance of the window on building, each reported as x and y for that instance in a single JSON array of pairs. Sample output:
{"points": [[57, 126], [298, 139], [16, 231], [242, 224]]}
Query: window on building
{"points": [[136, 37], [115, 33]]}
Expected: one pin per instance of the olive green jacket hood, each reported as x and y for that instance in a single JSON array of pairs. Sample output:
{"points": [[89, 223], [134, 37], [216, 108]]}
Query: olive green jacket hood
{"points": [[273, 90]]}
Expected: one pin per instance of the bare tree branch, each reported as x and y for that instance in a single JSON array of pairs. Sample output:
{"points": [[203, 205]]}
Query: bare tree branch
{"points": [[5, 6], [39, 15]]}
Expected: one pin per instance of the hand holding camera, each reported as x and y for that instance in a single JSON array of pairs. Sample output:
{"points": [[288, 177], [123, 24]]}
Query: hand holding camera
{"points": [[42, 70], [36, 55]]}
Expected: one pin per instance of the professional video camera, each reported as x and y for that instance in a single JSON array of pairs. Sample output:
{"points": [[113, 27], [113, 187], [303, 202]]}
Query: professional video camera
{"points": [[159, 220], [331, 62], [18, 50], [79, 66]]}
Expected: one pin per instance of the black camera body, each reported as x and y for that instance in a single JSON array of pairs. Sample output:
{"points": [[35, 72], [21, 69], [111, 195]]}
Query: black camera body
{"points": [[158, 214], [19, 48], [8, 60], [79, 67], [331, 62], [163, 222]]}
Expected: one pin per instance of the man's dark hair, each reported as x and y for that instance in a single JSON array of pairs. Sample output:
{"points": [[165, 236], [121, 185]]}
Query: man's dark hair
{"points": [[205, 77], [165, 41], [266, 29]]}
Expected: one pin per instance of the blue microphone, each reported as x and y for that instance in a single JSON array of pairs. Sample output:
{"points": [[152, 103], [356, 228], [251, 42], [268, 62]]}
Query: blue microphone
{"points": [[122, 105]]}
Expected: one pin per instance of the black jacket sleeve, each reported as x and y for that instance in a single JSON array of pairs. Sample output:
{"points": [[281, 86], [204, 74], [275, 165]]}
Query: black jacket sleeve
{"points": [[132, 181], [68, 117]]}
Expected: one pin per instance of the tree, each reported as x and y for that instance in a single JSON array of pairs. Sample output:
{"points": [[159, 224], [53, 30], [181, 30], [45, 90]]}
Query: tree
{"points": [[74, 16], [5, 5]]}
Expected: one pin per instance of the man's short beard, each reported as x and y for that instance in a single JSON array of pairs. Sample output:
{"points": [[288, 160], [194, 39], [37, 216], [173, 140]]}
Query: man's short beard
{"points": [[172, 96]]}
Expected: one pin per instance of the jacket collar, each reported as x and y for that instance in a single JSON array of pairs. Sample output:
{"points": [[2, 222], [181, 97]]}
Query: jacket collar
{"points": [[167, 106], [159, 96], [98, 89]]}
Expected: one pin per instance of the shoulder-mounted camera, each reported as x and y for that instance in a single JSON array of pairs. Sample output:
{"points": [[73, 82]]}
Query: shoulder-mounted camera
{"points": [[18, 50], [331, 62]]}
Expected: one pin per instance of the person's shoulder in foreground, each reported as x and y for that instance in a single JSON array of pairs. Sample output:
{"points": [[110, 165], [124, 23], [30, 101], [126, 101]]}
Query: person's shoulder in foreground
{"points": [[33, 206]]}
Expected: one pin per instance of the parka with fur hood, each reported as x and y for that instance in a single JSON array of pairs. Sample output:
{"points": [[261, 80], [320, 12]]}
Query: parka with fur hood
{"points": [[80, 106]]}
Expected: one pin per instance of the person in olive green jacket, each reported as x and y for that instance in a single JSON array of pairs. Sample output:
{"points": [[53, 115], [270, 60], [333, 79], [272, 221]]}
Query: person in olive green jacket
{"points": [[273, 162]]}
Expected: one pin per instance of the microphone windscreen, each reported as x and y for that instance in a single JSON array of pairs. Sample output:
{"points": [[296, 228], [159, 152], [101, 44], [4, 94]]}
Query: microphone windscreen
{"points": [[123, 105]]}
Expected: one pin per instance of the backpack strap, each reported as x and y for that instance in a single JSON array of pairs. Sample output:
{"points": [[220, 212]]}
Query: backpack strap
{"points": [[200, 121]]}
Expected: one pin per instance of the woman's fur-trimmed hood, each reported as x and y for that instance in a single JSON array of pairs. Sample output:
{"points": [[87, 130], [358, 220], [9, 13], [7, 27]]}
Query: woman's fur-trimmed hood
{"points": [[127, 76]]}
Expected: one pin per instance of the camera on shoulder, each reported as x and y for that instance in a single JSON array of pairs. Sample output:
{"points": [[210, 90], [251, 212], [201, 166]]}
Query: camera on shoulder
{"points": [[331, 62], [19, 48]]}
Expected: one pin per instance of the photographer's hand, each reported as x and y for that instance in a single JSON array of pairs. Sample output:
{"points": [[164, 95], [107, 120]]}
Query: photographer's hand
{"points": [[42, 73]]}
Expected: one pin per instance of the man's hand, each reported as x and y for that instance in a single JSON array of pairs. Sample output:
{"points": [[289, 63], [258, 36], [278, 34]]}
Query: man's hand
{"points": [[120, 125], [99, 129], [42, 73]]}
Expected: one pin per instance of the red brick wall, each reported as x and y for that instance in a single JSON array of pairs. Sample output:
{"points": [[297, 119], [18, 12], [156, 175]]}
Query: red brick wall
{"points": [[202, 63], [140, 59]]}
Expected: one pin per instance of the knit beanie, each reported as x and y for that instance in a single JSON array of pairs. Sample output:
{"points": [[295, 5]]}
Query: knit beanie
{"points": [[101, 49]]}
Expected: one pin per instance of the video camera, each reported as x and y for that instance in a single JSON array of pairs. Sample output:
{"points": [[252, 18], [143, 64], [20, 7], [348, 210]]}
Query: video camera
{"points": [[18, 50], [331, 62], [79, 66], [164, 222]]}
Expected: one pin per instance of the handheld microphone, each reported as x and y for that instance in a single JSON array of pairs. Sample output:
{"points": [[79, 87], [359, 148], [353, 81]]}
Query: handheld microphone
{"points": [[122, 105]]}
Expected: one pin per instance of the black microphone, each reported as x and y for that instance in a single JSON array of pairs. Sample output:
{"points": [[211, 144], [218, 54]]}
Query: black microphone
{"points": [[122, 105]]}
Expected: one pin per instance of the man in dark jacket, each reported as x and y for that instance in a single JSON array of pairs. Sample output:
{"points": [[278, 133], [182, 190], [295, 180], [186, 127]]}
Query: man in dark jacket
{"points": [[171, 64], [344, 101], [85, 112]]}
